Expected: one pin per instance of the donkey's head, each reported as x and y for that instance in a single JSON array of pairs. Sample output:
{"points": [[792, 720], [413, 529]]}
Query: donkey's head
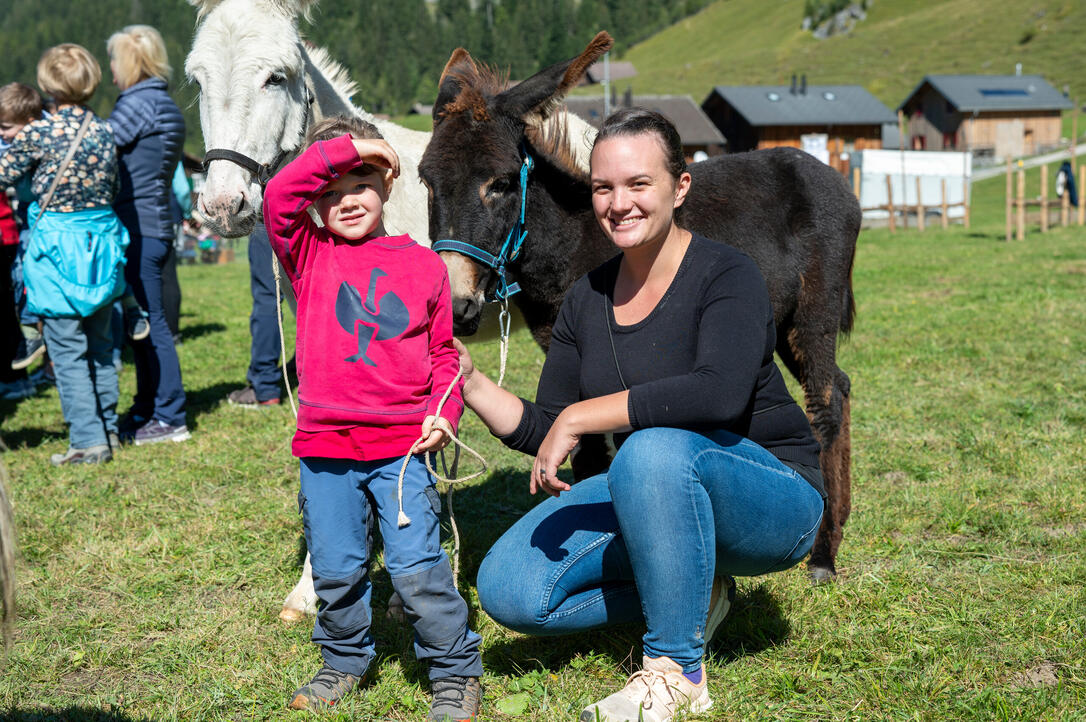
{"points": [[248, 61], [472, 166]]}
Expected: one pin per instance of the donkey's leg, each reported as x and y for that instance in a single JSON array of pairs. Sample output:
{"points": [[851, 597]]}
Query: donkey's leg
{"points": [[836, 462], [810, 355], [302, 600]]}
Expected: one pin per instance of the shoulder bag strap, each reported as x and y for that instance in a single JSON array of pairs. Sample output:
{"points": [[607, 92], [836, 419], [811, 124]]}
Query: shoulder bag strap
{"points": [[64, 164]]}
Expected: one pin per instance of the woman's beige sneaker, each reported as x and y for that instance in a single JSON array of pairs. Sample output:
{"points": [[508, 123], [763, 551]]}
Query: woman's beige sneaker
{"points": [[655, 694]]}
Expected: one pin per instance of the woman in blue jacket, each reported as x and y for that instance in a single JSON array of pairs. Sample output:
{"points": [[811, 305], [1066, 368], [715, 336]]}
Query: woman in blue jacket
{"points": [[150, 133]]}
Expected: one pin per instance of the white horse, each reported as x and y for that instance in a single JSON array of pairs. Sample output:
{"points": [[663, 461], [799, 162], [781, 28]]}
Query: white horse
{"points": [[261, 87]]}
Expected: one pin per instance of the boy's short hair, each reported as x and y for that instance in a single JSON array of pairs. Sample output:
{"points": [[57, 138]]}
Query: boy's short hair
{"points": [[138, 52], [337, 125], [69, 73], [19, 103]]}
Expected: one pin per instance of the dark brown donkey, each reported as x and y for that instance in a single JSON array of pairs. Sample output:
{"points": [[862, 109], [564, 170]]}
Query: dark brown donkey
{"points": [[792, 214]]}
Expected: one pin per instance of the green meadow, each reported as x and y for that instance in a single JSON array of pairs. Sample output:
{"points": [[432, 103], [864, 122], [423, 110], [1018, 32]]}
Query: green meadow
{"points": [[149, 588]]}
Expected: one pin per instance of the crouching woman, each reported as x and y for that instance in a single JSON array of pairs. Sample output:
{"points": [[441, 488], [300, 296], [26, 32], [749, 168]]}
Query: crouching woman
{"points": [[670, 346]]}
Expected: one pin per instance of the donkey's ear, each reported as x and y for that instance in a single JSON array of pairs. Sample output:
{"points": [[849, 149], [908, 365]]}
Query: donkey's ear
{"points": [[448, 87], [539, 96]]}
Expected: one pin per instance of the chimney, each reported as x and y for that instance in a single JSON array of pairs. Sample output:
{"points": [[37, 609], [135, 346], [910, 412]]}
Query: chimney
{"points": [[803, 84], [793, 90]]}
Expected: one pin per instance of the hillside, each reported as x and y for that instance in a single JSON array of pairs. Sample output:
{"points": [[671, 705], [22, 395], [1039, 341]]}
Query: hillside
{"points": [[744, 42]]}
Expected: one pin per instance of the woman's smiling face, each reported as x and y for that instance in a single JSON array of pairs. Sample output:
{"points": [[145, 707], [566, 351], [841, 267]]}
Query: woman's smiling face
{"points": [[633, 194]]}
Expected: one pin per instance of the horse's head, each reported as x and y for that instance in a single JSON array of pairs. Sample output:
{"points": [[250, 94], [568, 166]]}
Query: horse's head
{"points": [[248, 61], [473, 165]]}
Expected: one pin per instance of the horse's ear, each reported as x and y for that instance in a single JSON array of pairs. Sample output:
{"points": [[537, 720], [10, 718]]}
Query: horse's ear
{"points": [[293, 8], [448, 87], [535, 99], [203, 7]]}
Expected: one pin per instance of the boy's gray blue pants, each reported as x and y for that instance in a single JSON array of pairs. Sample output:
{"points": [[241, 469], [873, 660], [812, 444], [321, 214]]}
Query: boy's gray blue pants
{"points": [[339, 500]]}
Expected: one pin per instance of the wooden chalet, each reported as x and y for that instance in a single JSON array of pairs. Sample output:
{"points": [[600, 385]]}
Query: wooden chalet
{"points": [[696, 130], [1002, 116], [831, 121]]}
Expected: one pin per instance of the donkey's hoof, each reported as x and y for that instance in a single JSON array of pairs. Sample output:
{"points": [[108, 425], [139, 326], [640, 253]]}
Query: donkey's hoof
{"points": [[821, 575], [291, 616], [395, 609]]}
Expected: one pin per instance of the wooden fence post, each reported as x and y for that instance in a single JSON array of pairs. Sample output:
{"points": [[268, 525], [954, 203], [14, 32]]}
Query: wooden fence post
{"points": [[946, 221], [1044, 199], [856, 182], [890, 201], [965, 202], [1021, 202], [919, 208], [1081, 194], [1065, 207], [1010, 199]]}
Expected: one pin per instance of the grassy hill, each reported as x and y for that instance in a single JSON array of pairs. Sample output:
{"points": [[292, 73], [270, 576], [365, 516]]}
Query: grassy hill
{"points": [[745, 42]]}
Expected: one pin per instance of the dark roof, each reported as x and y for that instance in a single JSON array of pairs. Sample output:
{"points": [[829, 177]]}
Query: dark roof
{"points": [[620, 70], [970, 93], [764, 105], [693, 125]]}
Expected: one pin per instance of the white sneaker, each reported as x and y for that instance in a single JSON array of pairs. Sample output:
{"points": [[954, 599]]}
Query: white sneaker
{"points": [[655, 694], [720, 602]]}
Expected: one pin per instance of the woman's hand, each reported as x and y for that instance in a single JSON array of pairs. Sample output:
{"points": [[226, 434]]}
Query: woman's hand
{"points": [[553, 452], [436, 434], [378, 152], [467, 366]]}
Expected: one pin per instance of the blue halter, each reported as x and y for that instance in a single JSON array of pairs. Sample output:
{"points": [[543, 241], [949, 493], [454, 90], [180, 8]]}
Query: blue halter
{"points": [[513, 242]]}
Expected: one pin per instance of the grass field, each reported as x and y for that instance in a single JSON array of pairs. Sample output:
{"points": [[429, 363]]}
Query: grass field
{"points": [[149, 587]]}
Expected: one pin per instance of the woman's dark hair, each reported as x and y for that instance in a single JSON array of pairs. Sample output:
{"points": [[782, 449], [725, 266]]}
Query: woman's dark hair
{"points": [[635, 121], [337, 125]]}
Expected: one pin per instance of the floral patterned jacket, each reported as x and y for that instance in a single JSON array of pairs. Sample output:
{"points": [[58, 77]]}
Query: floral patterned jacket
{"points": [[90, 180]]}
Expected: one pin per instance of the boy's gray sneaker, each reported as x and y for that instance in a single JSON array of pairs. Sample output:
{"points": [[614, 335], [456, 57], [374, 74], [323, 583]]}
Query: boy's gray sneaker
{"points": [[325, 690], [456, 699], [91, 455]]}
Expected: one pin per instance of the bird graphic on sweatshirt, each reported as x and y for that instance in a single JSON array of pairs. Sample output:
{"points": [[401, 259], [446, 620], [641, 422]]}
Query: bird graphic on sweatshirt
{"points": [[370, 319]]}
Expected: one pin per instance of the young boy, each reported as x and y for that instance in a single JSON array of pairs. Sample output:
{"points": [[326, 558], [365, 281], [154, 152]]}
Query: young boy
{"points": [[21, 105], [375, 356]]}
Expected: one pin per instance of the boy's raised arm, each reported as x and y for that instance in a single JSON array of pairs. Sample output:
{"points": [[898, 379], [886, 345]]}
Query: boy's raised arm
{"points": [[291, 191]]}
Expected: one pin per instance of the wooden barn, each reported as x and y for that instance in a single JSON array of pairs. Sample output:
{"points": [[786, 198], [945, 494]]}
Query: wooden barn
{"points": [[696, 130], [829, 121], [1002, 116]]}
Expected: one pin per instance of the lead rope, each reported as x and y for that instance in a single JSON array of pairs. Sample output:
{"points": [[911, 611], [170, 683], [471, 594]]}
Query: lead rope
{"points": [[402, 519]]}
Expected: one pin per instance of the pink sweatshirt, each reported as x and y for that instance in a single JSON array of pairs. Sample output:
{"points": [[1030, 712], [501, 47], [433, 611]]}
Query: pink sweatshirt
{"points": [[374, 346]]}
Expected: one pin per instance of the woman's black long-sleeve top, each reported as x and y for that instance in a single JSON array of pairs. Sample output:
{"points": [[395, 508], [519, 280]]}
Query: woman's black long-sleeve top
{"points": [[702, 359]]}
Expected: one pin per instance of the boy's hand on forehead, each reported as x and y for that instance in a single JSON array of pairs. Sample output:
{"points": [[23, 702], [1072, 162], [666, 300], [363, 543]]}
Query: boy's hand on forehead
{"points": [[377, 152]]}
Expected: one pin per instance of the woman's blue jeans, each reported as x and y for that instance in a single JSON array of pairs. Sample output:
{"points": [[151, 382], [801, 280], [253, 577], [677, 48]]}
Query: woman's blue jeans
{"points": [[645, 540], [82, 354]]}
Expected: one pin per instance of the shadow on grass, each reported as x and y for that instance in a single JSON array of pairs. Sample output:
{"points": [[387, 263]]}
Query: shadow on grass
{"points": [[66, 714], [201, 401], [188, 333], [30, 437]]}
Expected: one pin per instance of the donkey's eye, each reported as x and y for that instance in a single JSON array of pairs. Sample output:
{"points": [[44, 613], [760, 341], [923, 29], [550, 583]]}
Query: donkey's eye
{"points": [[500, 186], [276, 78]]}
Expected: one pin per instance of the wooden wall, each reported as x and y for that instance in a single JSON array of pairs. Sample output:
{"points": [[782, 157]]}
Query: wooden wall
{"points": [[841, 139]]}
